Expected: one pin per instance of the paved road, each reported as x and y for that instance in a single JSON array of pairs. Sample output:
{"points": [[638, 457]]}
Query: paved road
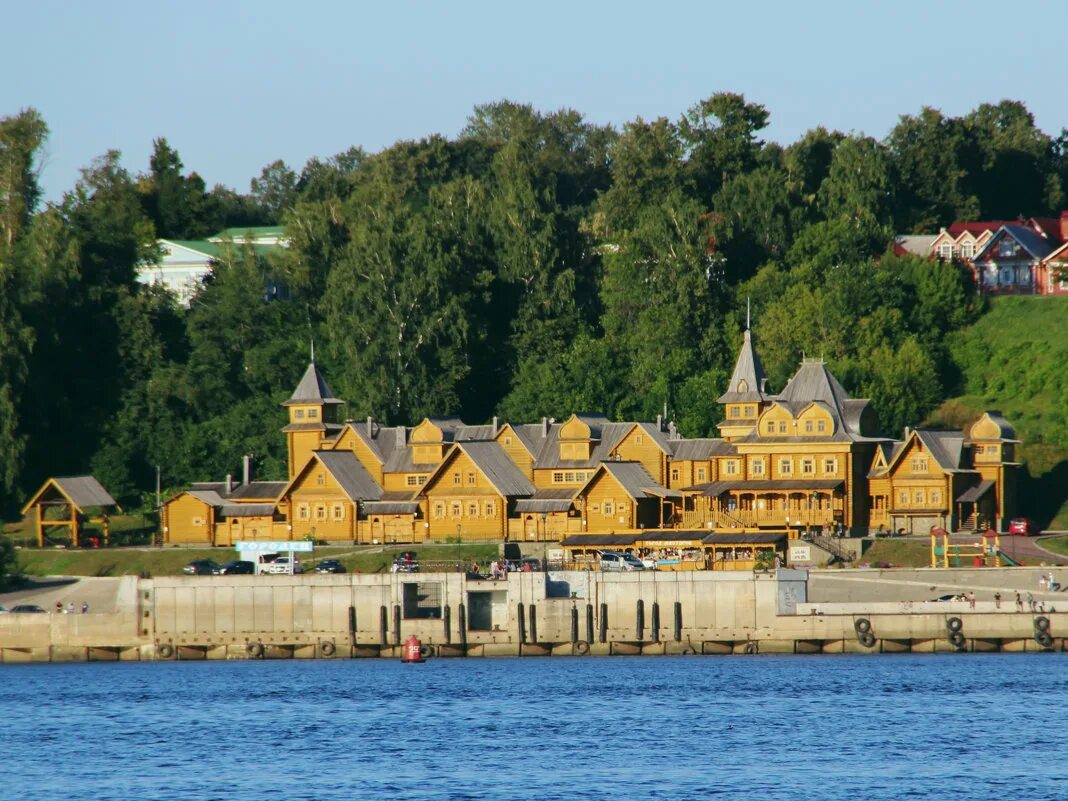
{"points": [[102, 594], [1029, 550]]}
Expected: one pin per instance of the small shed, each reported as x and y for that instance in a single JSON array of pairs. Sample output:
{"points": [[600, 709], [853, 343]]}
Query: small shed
{"points": [[67, 502]]}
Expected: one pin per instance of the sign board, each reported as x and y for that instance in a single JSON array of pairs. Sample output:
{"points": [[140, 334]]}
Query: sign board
{"points": [[800, 553], [297, 546]]}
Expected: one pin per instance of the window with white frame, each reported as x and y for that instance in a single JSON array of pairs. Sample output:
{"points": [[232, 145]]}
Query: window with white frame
{"points": [[967, 250], [945, 251]]}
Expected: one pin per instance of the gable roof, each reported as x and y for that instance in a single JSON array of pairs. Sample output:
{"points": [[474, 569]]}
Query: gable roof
{"points": [[499, 470], [312, 389], [631, 476], [1036, 245], [83, 492], [346, 469], [492, 461]]}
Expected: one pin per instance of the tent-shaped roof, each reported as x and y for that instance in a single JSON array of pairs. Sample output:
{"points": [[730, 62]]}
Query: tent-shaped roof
{"points": [[82, 492], [632, 477], [312, 389], [747, 381]]}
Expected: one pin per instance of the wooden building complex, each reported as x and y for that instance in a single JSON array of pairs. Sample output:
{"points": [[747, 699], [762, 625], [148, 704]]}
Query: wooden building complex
{"points": [[805, 460]]}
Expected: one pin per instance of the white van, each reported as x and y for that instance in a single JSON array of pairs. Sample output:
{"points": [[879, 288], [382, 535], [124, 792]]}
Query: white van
{"points": [[614, 560], [264, 562]]}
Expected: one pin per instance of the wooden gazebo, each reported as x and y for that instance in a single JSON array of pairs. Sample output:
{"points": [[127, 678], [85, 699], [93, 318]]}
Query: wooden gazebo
{"points": [[62, 502]]}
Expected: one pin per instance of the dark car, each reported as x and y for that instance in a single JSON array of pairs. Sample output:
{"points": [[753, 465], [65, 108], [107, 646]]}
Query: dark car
{"points": [[406, 562], [330, 566], [21, 608], [200, 567], [235, 567]]}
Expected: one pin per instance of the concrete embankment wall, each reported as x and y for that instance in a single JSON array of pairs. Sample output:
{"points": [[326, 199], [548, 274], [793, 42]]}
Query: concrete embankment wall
{"points": [[228, 617]]}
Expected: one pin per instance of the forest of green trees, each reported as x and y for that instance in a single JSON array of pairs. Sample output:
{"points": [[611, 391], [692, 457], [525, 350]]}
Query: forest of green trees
{"points": [[536, 264]]}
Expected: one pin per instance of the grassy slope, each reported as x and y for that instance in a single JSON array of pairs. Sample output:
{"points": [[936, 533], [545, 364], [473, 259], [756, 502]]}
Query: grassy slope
{"points": [[1015, 359]]}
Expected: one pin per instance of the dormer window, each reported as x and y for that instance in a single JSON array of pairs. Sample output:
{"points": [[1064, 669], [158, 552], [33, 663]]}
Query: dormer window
{"points": [[945, 251], [967, 250], [1006, 248], [743, 385]]}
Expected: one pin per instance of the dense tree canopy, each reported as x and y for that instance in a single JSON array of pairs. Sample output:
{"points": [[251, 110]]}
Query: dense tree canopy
{"points": [[536, 264]]}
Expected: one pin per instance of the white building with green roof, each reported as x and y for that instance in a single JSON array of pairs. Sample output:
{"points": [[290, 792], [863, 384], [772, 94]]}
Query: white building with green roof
{"points": [[184, 263]]}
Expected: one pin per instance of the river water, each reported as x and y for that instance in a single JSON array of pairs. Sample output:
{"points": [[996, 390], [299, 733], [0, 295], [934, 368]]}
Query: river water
{"points": [[838, 727]]}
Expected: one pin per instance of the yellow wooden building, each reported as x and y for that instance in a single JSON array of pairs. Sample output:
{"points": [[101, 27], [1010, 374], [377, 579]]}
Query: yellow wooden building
{"points": [[945, 479], [804, 460]]}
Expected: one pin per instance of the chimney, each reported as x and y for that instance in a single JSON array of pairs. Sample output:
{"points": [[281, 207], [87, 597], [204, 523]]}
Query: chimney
{"points": [[496, 425], [660, 422], [545, 426], [229, 483], [246, 471], [907, 432], [370, 427], [402, 435]]}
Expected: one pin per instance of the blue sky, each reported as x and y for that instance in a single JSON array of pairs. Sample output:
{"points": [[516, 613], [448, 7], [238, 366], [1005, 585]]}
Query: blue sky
{"points": [[236, 85]]}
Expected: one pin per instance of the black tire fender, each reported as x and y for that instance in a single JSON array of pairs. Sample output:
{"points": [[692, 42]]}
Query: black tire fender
{"points": [[254, 649], [954, 624], [1044, 638], [426, 651], [862, 625], [327, 647], [165, 650], [1041, 623], [582, 647], [867, 639], [957, 639]]}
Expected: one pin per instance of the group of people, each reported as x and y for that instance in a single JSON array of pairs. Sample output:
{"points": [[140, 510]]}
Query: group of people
{"points": [[500, 568], [70, 608], [1047, 582]]}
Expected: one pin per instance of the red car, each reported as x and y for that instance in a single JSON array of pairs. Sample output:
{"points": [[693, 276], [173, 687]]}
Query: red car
{"points": [[1021, 525]]}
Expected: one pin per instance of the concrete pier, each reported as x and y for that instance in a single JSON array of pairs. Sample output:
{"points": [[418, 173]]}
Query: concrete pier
{"points": [[526, 614]]}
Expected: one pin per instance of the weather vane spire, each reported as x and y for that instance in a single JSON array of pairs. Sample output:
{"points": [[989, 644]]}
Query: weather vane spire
{"points": [[747, 314]]}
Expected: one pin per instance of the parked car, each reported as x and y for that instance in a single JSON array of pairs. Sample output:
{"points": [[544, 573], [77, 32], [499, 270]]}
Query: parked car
{"points": [[200, 567], [235, 567], [281, 566], [614, 560], [1021, 525], [24, 608], [330, 566]]}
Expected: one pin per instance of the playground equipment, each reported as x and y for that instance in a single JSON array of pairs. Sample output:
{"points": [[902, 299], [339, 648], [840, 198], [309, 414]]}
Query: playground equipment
{"points": [[986, 552]]}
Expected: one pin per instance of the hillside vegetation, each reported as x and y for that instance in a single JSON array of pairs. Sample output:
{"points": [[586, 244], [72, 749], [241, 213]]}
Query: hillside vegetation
{"points": [[1015, 358]]}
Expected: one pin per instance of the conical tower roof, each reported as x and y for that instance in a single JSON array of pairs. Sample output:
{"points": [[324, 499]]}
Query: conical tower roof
{"points": [[313, 389], [747, 382]]}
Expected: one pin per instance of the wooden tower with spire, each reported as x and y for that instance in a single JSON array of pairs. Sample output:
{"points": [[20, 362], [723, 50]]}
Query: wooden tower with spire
{"points": [[746, 395], [312, 417]]}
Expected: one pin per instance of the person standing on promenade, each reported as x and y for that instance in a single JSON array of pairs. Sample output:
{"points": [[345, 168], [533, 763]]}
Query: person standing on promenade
{"points": [[971, 599], [85, 607], [997, 600], [1019, 602], [1031, 602]]}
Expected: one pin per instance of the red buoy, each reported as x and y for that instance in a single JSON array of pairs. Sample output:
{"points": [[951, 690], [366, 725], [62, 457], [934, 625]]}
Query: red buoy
{"points": [[413, 650]]}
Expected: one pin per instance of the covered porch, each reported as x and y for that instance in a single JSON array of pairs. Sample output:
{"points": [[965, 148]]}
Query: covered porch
{"points": [[788, 505]]}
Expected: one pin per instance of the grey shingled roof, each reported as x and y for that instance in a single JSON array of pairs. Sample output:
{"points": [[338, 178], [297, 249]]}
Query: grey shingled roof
{"points": [[814, 382], [389, 507], [1036, 245], [350, 474], [312, 389], [609, 437], [917, 244], [749, 370], [945, 446], [972, 494], [631, 476], [85, 491], [699, 450], [490, 458], [260, 490], [714, 489], [548, 500], [247, 509]]}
